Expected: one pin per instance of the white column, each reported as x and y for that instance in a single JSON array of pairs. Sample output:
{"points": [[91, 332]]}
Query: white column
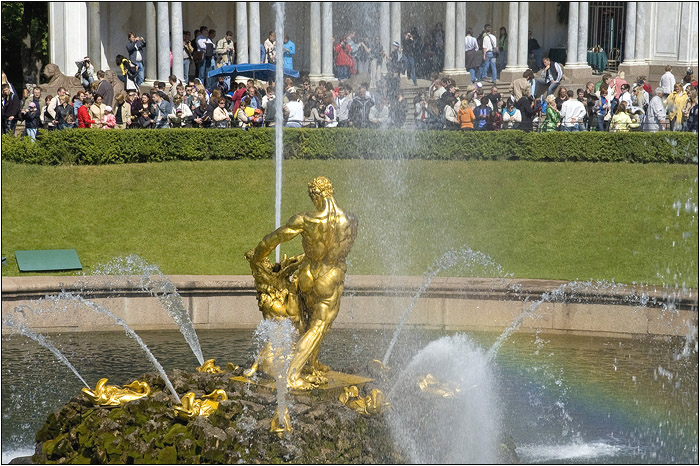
{"points": [[385, 29], [395, 23], [94, 39], [176, 40], [512, 59], [327, 40], [254, 32], [315, 29], [572, 34], [630, 27], [582, 33], [640, 34], [687, 34], [449, 38], [523, 24], [163, 41], [242, 33], [68, 34], [460, 31], [151, 63]]}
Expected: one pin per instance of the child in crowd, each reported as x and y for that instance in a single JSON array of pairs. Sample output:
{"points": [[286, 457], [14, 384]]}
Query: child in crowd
{"points": [[109, 121]]}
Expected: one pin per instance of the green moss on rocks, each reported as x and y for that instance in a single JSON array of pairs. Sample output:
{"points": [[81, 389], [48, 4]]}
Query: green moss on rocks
{"points": [[147, 430]]}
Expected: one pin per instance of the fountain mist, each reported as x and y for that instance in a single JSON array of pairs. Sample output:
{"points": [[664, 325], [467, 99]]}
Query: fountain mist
{"points": [[463, 428], [156, 284], [449, 259], [64, 299]]}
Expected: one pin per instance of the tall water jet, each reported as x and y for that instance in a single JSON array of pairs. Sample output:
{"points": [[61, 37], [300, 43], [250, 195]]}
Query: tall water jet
{"points": [[444, 405], [447, 260], [156, 284], [279, 117], [24, 330]]}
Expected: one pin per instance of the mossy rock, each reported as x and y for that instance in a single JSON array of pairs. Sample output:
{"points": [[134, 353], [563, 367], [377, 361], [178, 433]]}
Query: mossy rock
{"points": [[147, 430]]}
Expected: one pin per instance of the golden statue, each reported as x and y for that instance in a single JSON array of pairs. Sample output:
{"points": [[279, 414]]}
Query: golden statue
{"points": [[281, 427], [111, 395], [370, 404], [192, 407], [306, 288], [430, 384], [209, 367]]}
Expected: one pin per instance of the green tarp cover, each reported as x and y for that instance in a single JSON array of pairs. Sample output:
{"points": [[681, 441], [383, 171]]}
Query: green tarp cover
{"points": [[48, 259]]}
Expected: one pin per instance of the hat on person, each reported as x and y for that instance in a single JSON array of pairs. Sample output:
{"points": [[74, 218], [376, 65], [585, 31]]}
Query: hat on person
{"points": [[108, 108], [32, 104], [229, 95], [396, 44], [179, 110]]}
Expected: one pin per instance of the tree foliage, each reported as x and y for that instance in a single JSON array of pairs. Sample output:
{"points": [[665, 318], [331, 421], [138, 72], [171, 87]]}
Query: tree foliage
{"points": [[25, 38]]}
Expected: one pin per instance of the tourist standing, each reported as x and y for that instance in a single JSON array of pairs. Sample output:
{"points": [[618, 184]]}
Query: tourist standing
{"points": [[187, 51], [359, 109], [225, 50], [270, 47], [551, 120], [667, 81], [135, 48], [289, 51], [674, 107], [472, 57], [105, 89], [489, 49], [573, 113], [502, 49]]}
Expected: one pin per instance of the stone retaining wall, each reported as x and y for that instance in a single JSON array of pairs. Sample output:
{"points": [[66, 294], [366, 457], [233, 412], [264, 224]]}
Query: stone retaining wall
{"points": [[220, 302]]}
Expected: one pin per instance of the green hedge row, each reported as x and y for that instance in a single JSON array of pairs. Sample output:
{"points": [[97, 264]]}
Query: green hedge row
{"points": [[95, 147]]}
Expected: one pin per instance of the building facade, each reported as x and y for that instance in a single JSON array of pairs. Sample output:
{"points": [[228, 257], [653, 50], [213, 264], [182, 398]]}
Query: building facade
{"points": [[639, 37]]}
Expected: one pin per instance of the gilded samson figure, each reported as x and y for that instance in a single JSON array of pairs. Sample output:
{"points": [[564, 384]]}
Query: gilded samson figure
{"points": [[327, 234]]}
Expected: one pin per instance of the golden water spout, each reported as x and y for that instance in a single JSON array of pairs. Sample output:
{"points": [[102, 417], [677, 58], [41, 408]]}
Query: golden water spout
{"points": [[192, 407], [209, 367], [111, 395]]}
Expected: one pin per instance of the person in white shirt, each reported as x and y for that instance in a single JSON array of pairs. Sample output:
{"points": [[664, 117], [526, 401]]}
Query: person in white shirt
{"points": [[295, 107], [655, 119], [489, 45], [472, 58], [572, 113], [667, 81], [379, 114]]}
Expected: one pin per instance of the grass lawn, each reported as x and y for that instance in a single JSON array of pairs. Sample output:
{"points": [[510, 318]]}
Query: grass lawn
{"points": [[605, 221]]}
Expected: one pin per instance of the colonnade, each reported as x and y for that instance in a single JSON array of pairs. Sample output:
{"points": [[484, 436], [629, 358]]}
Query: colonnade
{"points": [[644, 31]]}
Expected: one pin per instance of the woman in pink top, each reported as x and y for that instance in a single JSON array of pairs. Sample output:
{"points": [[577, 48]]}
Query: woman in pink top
{"points": [[616, 84]]}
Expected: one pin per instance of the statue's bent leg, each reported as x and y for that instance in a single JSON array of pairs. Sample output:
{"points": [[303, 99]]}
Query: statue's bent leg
{"points": [[306, 346]]}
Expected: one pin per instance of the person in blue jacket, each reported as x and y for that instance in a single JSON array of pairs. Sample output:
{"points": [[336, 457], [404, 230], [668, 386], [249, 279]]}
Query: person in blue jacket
{"points": [[289, 51]]}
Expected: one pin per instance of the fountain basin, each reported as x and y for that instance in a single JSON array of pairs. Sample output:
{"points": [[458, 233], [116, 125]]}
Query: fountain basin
{"points": [[372, 302], [563, 398]]}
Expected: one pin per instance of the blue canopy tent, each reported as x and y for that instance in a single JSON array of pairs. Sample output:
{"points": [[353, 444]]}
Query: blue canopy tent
{"points": [[262, 71]]}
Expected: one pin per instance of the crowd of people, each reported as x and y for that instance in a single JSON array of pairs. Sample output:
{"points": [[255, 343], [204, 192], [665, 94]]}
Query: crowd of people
{"points": [[537, 102]]}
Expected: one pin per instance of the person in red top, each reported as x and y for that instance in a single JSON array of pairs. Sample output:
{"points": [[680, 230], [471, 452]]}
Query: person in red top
{"points": [[237, 96], [84, 120], [344, 62]]}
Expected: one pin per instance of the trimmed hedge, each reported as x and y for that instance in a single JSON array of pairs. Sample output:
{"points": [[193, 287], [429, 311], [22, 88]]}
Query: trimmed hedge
{"points": [[94, 147]]}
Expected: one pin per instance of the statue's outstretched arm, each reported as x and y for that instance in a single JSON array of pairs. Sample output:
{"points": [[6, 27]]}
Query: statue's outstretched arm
{"points": [[286, 232]]}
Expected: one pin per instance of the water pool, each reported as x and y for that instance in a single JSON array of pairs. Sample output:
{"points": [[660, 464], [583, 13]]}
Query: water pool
{"points": [[562, 398]]}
